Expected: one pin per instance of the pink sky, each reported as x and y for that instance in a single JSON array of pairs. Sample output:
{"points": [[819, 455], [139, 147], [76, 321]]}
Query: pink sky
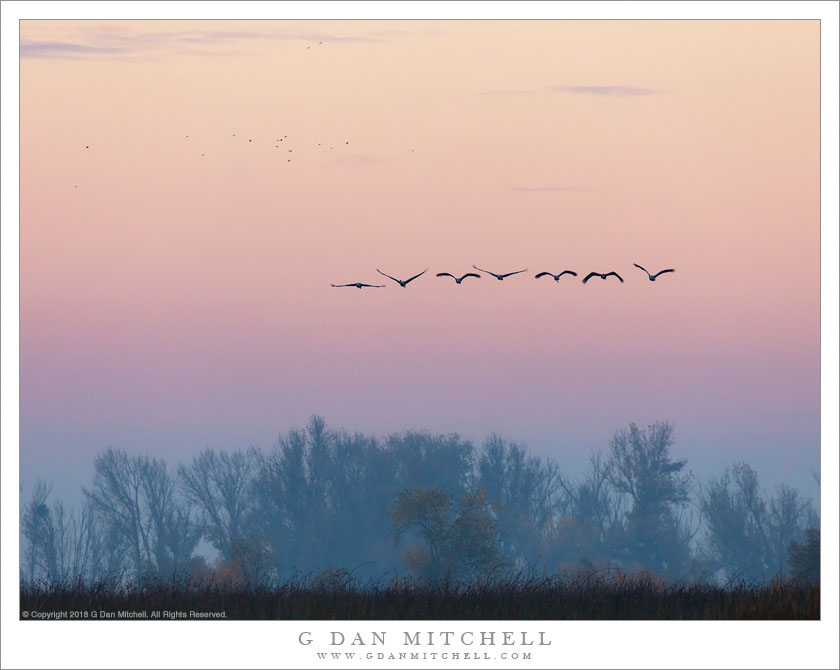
{"points": [[172, 301]]}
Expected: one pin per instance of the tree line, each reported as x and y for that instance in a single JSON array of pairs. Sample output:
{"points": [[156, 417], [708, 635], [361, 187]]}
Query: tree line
{"points": [[416, 506]]}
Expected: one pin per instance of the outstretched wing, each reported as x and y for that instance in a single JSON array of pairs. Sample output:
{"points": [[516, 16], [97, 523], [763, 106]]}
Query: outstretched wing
{"points": [[589, 276], [662, 272], [543, 274], [616, 274], [641, 268], [384, 275], [568, 272], [342, 285], [373, 285], [508, 274], [471, 274], [445, 274], [417, 275], [487, 271]]}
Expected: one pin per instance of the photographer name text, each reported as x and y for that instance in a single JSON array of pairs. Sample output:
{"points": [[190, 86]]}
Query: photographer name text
{"points": [[443, 638]]}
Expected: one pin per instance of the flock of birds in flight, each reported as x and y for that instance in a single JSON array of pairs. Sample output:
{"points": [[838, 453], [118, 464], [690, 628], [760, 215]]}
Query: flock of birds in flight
{"points": [[277, 145], [319, 146], [404, 282]]}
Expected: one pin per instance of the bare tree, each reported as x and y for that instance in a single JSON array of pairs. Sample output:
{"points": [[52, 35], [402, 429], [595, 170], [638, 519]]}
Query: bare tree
{"points": [[423, 460], [788, 512], [220, 484], [589, 512], [158, 489], [59, 544], [641, 467], [181, 535], [593, 498], [40, 532], [116, 496], [135, 498], [322, 500], [522, 492], [749, 536], [291, 506]]}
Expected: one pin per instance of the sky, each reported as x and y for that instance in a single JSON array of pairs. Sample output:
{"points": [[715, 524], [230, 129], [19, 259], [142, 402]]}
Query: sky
{"points": [[176, 257]]}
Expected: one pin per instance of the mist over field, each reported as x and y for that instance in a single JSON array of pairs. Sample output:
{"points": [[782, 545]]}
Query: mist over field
{"points": [[326, 504]]}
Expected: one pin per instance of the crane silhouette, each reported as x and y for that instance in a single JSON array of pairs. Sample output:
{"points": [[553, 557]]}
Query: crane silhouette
{"points": [[458, 280], [358, 284], [556, 277], [602, 276], [501, 277], [401, 282], [653, 277]]}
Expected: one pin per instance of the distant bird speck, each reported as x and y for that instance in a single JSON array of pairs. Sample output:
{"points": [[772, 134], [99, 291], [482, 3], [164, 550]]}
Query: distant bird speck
{"points": [[87, 147], [556, 277], [653, 277], [501, 277], [602, 276], [249, 140], [401, 282], [458, 280], [347, 143]]}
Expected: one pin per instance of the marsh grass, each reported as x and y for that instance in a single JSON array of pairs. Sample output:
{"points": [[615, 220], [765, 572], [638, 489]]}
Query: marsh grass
{"points": [[591, 597]]}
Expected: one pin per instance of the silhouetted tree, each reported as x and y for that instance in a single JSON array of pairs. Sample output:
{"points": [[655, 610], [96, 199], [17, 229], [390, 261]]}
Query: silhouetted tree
{"points": [[748, 536], [522, 492], [641, 467], [62, 545], [363, 485], [180, 534], [322, 501], [39, 530], [786, 524], [589, 512], [287, 506], [219, 484], [736, 518], [134, 497], [346, 505], [423, 460]]}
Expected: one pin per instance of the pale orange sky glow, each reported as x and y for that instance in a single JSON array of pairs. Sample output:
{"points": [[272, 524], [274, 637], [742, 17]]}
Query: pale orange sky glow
{"points": [[175, 291]]}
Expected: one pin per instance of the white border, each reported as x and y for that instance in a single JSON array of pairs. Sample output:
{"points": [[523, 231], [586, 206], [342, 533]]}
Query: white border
{"points": [[273, 644]]}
